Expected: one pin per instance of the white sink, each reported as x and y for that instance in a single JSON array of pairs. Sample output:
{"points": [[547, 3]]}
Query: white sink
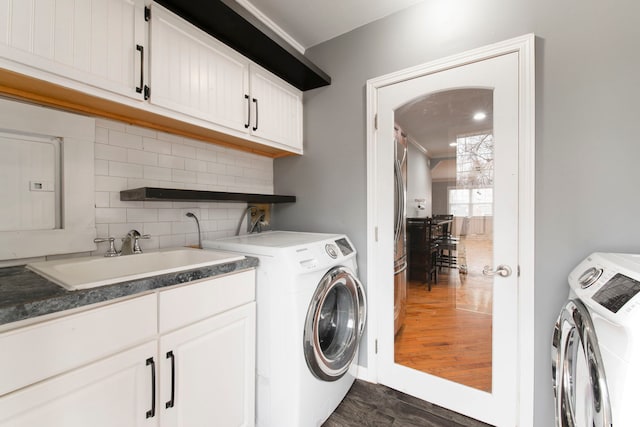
{"points": [[85, 273]]}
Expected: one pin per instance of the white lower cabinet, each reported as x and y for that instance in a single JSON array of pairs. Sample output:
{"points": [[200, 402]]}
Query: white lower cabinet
{"points": [[208, 372], [116, 391], [180, 357]]}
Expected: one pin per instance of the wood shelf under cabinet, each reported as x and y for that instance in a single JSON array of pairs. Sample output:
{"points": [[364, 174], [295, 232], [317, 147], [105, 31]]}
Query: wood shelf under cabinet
{"points": [[147, 194]]}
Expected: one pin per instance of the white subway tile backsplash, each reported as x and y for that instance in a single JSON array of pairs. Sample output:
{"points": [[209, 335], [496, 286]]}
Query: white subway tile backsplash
{"points": [[102, 135], [169, 137], [181, 150], [172, 241], [137, 157], [207, 155], [142, 215], [110, 183], [171, 162], [152, 172], [111, 215], [207, 178], [137, 130], [218, 168], [156, 146], [102, 199], [179, 175], [126, 140], [169, 214], [142, 157], [101, 167], [110, 152], [195, 165], [126, 170], [157, 228]]}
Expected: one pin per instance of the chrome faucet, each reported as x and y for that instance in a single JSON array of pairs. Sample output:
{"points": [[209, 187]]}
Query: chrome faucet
{"points": [[130, 244]]}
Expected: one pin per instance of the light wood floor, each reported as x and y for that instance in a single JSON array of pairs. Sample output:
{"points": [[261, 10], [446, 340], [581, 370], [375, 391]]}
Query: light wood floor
{"points": [[447, 332]]}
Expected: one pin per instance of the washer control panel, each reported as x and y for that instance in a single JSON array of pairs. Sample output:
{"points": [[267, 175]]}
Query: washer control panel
{"points": [[609, 283], [618, 291]]}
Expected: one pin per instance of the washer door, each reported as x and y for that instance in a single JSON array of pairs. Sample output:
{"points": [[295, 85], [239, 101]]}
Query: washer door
{"points": [[334, 324], [579, 383]]}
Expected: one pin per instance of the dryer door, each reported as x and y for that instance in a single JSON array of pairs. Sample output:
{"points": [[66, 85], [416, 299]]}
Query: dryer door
{"points": [[334, 324], [579, 383]]}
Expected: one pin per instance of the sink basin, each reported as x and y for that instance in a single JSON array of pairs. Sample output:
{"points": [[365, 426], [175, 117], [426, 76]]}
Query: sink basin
{"points": [[85, 273]]}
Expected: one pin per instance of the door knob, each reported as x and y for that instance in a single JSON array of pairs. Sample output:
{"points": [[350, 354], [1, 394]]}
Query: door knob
{"points": [[502, 271]]}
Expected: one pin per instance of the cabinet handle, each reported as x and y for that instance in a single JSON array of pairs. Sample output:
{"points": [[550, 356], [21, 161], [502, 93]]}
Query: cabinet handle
{"points": [[140, 49], [152, 412], [246, 125], [255, 101], [171, 402]]}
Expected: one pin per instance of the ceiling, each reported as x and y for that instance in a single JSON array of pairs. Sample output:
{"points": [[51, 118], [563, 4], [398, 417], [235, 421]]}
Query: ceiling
{"points": [[433, 121], [310, 22]]}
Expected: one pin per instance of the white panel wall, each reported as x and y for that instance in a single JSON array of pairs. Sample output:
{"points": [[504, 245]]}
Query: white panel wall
{"points": [[130, 157], [28, 168]]}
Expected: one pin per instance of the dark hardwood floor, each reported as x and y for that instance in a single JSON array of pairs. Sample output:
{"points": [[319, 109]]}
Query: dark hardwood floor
{"points": [[375, 405]]}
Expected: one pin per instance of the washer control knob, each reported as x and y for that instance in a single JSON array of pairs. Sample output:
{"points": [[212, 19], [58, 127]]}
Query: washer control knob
{"points": [[331, 250], [589, 277]]}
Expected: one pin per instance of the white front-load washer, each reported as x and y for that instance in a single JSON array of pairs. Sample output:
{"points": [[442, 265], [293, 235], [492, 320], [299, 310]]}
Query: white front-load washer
{"points": [[311, 311], [596, 344]]}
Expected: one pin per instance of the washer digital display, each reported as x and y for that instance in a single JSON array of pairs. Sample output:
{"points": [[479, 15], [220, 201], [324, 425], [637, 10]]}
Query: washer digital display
{"points": [[617, 292], [344, 246]]}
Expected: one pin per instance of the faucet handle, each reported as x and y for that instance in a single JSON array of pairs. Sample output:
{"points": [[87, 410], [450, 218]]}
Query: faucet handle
{"points": [[112, 245], [136, 246]]}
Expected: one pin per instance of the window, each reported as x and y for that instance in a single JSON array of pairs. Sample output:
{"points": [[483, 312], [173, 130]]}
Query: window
{"points": [[471, 201]]}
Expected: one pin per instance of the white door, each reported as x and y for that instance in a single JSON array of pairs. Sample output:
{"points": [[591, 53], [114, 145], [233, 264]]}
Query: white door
{"points": [[207, 372], [499, 76]]}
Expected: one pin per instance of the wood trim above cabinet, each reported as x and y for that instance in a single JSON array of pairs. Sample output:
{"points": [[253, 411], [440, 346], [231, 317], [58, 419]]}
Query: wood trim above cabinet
{"points": [[22, 87]]}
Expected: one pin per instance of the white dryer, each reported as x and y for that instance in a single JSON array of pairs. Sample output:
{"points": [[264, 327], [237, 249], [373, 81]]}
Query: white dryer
{"points": [[311, 314], [596, 344]]}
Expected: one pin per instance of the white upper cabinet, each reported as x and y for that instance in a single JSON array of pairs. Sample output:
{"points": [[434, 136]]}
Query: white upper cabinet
{"points": [[276, 109], [146, 68], [194, 74], [91, 41]]}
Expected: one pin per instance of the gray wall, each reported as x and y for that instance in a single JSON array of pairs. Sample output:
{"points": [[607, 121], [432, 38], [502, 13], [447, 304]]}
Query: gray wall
{"points": [[418, 182], [587, 150]]}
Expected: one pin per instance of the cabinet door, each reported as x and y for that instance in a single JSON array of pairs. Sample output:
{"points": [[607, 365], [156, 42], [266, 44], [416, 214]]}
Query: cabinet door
{"points": [[194, 74], [90, 41], [116, 391], [276, 109], [208, 372]]}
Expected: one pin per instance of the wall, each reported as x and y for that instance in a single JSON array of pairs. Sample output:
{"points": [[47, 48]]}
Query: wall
{"points": [[587, 90], [418, 182], [131, 157]]}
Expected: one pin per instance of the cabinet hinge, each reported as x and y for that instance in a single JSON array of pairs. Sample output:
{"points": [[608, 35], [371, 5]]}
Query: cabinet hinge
{"points": [[376, 346], [147, 92], [518, 271], [375, 230], [375, 122], [147, 13]]}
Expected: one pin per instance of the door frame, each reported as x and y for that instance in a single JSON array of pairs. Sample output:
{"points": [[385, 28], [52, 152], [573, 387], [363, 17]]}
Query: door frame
{"points": [[380, 257]]}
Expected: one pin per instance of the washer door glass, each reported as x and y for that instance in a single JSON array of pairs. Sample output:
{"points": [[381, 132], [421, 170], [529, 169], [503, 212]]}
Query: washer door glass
{"points": [[580, 387], [334, 324]]}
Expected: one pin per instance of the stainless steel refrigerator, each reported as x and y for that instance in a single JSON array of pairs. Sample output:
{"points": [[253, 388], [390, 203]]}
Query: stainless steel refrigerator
{"points": [[400, 209]]}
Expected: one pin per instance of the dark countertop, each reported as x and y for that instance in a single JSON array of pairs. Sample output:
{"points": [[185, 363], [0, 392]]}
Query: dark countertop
{"points": [[25, 294]]}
